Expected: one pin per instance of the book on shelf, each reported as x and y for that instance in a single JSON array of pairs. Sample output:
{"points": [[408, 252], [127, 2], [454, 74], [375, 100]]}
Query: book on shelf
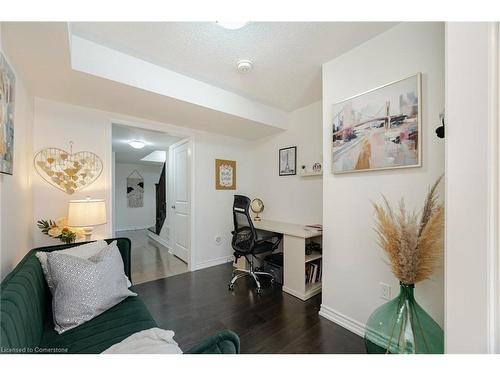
{"points": [[313, 271]]}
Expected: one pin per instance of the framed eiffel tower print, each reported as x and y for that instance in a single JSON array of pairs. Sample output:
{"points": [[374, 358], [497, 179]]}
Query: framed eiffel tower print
{"points": [[288, 161]]}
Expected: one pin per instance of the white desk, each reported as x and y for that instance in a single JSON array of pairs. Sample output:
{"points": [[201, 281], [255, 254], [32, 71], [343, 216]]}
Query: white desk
{"points": [[294, 256]]}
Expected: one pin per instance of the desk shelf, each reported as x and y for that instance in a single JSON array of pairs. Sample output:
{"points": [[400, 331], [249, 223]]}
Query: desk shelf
{"points": [[315, 255], [295, 260], [312, 289]]}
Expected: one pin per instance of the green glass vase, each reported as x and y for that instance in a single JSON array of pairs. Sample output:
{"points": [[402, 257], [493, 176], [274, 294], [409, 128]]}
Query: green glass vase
{"points": [[402, 326]]}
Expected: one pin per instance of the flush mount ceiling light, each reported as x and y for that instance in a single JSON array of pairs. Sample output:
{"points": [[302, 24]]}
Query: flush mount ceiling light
{"points": [[136, 144], [231, 25], [244, 66]]}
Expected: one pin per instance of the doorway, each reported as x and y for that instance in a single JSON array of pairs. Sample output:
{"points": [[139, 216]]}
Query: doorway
{"points": [[151, 200]]}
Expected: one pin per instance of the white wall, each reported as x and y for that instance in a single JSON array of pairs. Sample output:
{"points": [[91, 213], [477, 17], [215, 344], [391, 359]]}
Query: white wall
{"points": [[57, 123], [292, 199], [15, 191], [354, 265], [214, 207], [128, 218], [472, 188]]}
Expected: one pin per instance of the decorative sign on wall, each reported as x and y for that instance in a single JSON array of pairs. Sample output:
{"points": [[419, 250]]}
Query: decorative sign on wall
{"points": [[225, 174], [7, 86], [67, 171], [379, 129], [135, 190]]}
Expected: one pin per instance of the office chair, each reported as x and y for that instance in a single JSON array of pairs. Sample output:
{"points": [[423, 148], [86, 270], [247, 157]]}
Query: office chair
{"points": [[248, 242]]}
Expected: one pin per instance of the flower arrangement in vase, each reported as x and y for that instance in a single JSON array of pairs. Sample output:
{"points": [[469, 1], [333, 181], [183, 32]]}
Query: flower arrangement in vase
{"points": [[413, 244], [59, 229]]}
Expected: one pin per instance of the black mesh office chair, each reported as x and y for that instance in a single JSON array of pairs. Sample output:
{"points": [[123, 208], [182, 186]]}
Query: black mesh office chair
{"points": [[248, 242]]}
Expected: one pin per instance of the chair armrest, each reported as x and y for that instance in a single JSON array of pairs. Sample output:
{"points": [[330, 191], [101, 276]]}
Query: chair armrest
{"points": [[224, 342]]}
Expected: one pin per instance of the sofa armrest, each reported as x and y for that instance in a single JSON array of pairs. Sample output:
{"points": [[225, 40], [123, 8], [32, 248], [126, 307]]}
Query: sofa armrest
{"points": [[224, 342]]}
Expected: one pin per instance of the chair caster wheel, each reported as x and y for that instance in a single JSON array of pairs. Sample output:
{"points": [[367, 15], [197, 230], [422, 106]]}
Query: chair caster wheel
{"points": [[258, 290], [230, 286], [272, 281]]}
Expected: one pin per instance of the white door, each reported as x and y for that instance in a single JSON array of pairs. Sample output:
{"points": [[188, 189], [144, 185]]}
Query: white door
{"points": [[180, 202]]}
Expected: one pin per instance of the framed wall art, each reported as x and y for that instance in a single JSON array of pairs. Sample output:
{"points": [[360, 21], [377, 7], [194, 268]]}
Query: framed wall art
{"points": [[135, 190], [288, 161], [7, 88], [67, 171], [379, 129], [225, 174]]}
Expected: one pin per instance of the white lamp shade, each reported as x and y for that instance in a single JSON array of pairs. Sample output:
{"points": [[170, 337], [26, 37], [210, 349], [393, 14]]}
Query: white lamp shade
{"points": [[86, 212]]}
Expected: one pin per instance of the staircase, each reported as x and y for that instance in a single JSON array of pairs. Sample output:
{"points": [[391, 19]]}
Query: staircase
{"points": [[161, 201]]}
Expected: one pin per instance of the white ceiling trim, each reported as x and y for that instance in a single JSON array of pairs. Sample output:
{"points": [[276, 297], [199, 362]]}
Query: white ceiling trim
{"points": [[95, 59]]}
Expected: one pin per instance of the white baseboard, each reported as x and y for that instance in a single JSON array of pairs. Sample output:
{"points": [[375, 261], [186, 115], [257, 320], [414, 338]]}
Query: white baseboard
{"points": [[213, 262], [160, 240], [342, 320]]}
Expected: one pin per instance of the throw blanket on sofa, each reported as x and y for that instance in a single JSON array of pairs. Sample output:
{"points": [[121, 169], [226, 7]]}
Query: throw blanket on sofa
{"points": [[149, 341]]}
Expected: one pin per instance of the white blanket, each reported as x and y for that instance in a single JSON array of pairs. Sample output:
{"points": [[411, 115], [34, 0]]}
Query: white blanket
{"points": [[149, 341]]}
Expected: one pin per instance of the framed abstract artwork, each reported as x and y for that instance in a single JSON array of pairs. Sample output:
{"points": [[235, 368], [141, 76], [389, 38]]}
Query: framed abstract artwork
{"points": [[379, 129], [225, 174], [288, 161], [7, 88], [135, 190]]}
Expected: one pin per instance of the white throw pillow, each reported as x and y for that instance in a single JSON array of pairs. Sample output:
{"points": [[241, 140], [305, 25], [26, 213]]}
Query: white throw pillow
{"points": [[85, 288], [82, 251]]}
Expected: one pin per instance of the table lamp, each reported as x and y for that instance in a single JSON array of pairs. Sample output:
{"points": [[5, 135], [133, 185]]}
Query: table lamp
{"points": [[86, 213]]}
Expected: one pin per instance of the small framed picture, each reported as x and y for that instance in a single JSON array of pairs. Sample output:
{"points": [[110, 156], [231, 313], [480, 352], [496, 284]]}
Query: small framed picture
{"points": [[225, 174], [288, 161]]}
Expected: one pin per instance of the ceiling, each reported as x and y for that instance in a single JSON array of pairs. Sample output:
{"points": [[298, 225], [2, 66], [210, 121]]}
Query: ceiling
{"points": [[153, 140], [287, 66], [40, 52], [287, 56]]}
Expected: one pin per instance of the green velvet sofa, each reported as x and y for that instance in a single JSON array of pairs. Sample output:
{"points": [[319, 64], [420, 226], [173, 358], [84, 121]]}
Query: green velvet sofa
{"points": [[27, 325]]}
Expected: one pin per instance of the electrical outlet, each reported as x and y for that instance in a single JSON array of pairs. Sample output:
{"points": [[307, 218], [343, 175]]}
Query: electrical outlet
{"points": [[385, 291]]}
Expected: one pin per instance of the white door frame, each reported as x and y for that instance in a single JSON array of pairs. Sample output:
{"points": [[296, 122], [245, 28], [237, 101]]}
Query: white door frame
{"points": [[189, 137], [472, 259]]}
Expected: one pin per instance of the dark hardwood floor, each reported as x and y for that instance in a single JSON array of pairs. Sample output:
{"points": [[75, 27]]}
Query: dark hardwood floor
{"points": [[195, 305]]}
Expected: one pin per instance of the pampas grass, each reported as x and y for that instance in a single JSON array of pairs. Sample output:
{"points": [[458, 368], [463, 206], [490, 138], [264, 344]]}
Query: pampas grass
{"points": [[413, 243]]}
